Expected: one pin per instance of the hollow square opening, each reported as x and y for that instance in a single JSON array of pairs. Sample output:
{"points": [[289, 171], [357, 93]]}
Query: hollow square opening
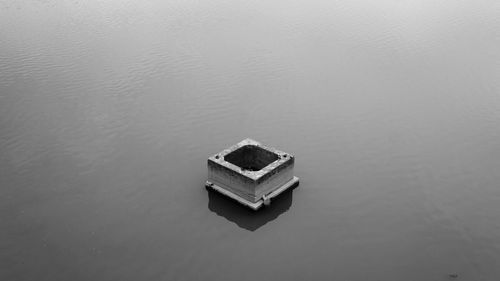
{"points": [[251, 157]]}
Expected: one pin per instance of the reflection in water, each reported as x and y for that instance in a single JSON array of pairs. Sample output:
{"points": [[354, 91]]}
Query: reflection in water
{"points": [[245, 217]]}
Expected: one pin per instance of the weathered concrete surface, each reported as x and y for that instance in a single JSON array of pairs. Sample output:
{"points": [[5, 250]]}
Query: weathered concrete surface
{"points": [[255, 205], [250, 171]]}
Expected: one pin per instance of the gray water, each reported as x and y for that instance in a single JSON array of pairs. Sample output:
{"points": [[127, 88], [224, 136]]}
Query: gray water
{"points": [[109, 110]]}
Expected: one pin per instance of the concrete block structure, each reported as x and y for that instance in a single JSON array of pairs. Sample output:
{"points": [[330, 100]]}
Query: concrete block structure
{"points": [[251, 173]]}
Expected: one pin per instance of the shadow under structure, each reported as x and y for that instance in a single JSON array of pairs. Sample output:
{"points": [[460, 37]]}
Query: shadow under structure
{"points": [[245, 217]]}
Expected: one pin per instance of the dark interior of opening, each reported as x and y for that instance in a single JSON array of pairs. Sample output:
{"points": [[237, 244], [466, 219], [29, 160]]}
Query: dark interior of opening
{"points": [[251, 157]]}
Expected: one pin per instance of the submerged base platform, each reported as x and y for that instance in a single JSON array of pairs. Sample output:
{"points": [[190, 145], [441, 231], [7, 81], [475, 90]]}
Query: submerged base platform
{"points": [[266, 200]]}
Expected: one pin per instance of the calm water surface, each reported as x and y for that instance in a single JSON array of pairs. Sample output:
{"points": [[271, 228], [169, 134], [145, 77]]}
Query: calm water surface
{"points": [[109, 110]]}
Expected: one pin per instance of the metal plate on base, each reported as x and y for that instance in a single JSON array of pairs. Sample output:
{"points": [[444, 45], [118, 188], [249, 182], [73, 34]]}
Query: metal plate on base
{"points": [[254, 205]]}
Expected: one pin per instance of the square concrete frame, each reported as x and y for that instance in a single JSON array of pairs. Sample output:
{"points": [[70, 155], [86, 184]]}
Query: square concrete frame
{"points": [[251, 173]]}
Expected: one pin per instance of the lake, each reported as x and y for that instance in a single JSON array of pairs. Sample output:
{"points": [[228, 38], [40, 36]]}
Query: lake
{"points": [[110, 109]]}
